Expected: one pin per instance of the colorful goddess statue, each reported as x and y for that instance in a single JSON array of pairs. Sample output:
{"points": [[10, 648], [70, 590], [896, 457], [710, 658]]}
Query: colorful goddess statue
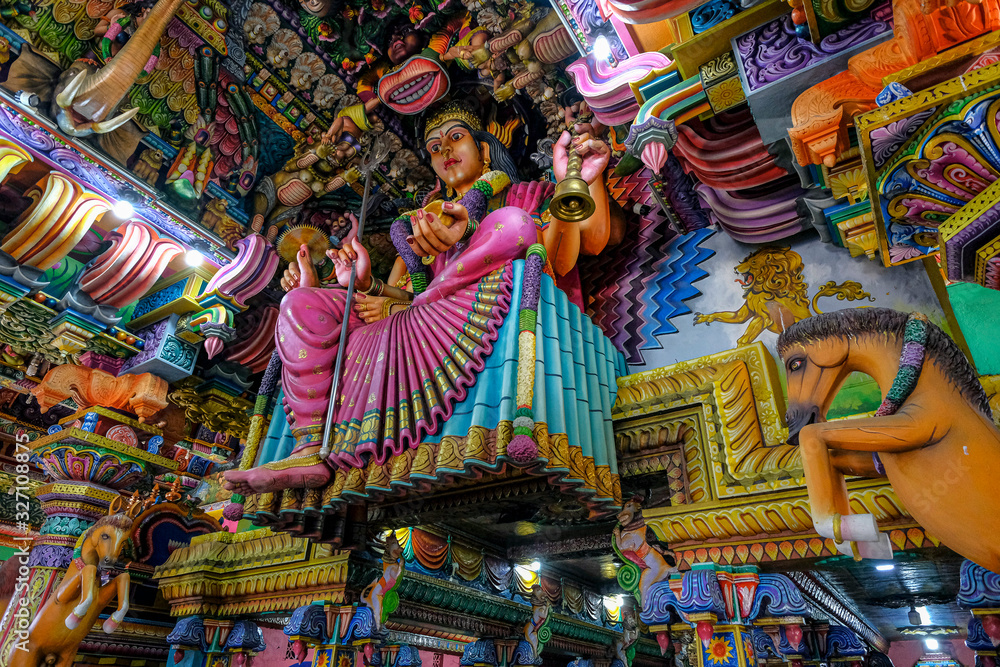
{"points": [[416, 361]]}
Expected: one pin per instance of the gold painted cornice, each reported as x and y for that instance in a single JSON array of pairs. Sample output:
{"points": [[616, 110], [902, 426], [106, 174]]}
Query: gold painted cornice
{"points": [[225, 574]]}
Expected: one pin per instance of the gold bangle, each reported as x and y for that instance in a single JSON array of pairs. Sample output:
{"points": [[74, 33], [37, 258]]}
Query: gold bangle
{"points": [[387, 307]]}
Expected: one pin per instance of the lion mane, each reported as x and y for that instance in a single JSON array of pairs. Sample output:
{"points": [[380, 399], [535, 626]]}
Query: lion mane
{"points": [[777, 272]]}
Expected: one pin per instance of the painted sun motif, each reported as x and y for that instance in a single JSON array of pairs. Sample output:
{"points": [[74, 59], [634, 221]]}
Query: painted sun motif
{"points": [[719, 651], [323, 658]]}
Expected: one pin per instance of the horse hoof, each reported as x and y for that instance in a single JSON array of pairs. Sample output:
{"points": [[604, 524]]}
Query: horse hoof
{"points": [[880, 549], [858, 528], [72, 621]]}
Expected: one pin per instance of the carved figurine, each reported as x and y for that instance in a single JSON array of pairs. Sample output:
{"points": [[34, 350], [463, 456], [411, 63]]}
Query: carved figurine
{"points": [[85, 97], [216, 218], [624, 648], [632, 544], [69, 614], [451, 249], [535, 630], [933, 436], [380, 596], [313, 171], [148, 165], [118, 26]]}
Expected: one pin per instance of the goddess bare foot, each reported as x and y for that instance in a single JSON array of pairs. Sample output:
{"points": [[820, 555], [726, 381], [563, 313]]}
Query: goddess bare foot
{"points": [[310, 475]]}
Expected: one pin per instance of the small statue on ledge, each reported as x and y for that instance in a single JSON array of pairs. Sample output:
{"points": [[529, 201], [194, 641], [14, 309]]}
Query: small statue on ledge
{"points": [[313, 171], [381, 596]]}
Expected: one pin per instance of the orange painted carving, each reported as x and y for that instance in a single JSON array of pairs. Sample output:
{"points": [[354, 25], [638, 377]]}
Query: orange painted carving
{"points": [[822, 114], [143, 395], [69, 614]]}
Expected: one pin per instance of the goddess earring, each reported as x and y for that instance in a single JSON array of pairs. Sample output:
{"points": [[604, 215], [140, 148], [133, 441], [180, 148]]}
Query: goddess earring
{"points": [[486, 165]]}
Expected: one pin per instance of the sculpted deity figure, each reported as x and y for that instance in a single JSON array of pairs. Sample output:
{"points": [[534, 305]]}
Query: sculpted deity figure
{"points": [[392, 569], [313, 171], [632, 543], [411, 355], [540, 609]]}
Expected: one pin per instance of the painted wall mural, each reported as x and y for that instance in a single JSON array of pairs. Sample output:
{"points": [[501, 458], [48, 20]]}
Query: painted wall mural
{"points": [[791, 283]]}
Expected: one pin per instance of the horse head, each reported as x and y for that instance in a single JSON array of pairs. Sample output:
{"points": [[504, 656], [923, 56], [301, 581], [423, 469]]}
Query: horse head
{"points": [[104, 541], [815, 370]]}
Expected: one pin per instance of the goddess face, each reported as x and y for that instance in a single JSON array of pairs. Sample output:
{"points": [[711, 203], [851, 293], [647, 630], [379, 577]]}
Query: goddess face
{"points": [[456, 157]]}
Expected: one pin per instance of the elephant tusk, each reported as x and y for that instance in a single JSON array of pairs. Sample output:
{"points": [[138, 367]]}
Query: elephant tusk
{"points": [[105, 126], [65, 98]]}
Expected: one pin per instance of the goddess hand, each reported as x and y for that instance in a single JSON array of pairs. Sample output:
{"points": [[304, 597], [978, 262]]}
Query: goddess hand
{"points": [[369, 308], [301, 272], [431, 236], [342, 259], [595, 154]]}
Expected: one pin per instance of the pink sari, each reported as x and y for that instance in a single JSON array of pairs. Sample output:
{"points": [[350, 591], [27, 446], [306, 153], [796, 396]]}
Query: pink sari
{"points": [[404, 374]]}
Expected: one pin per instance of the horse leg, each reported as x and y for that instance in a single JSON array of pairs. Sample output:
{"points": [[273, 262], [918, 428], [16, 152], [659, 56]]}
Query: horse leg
{"points": [[120, 586], [856, 438], [88, 589], [69, 588]]}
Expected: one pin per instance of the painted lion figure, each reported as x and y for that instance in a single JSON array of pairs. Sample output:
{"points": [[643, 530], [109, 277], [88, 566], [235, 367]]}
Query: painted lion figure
{"points": [[775, 293]]}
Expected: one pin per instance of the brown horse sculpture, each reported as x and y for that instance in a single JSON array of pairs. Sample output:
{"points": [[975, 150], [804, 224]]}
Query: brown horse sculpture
{"points": [[933, 436], [69, 614]]}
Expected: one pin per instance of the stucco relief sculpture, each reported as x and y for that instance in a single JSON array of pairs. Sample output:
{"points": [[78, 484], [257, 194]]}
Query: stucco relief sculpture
{"points": [[933, 436]]}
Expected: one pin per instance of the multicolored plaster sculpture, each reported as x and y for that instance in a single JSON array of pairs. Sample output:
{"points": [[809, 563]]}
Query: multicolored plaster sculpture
{"points": [[70, 613], [461, 297], [647, 564], [933, 436]]}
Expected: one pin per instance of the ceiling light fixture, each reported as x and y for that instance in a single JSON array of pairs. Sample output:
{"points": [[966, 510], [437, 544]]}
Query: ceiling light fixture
{"points": [[885, 567], [193, 257], [925, 617], [534, 566], [932, 644], [123, 209], [913, 616], [602, 49]]}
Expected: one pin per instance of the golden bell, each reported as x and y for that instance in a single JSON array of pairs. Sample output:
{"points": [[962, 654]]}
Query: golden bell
{"points": [[572, 201]]}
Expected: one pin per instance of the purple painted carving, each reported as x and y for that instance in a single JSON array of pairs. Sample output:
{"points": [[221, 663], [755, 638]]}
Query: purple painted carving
{"points": [[889, 139], [50, 555], [756, 220], [679, 190], [153, 335], [961, 248], [978, 587], [773, 51]]}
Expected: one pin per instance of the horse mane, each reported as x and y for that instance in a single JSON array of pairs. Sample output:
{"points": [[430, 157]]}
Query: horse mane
{"points": [[940, 348], [121, 521]]}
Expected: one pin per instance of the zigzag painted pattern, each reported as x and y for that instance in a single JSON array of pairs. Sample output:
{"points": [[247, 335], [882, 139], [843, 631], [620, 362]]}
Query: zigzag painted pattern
{"points": [[635, 288]]}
